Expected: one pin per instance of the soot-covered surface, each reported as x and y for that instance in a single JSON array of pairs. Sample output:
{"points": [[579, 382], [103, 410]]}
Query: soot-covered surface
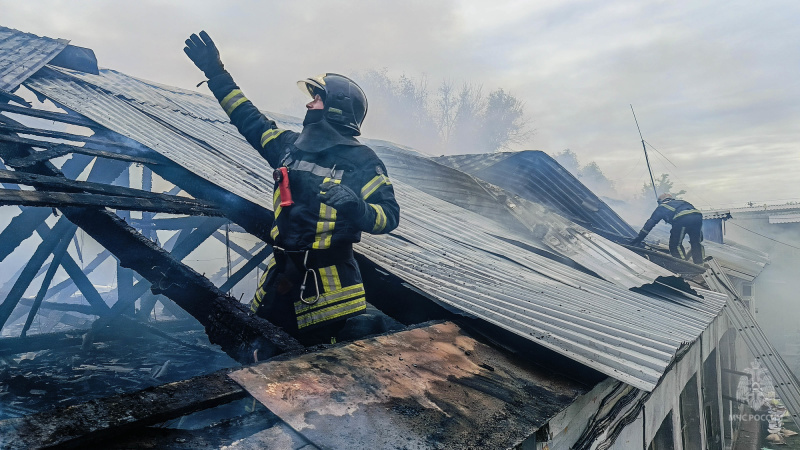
{"points": [[430, 387], [38, 381]]}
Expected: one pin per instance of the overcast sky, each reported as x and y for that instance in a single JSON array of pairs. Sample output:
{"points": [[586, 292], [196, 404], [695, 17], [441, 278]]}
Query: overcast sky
{"points": [[715, 85]]}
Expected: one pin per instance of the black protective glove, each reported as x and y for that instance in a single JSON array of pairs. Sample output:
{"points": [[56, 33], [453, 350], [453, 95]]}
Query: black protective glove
{"points": [[638, 239], [346, 202], [204, 54]]}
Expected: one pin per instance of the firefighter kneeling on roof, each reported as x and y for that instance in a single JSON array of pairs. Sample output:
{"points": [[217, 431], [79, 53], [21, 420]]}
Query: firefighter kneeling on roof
{"points": [[328, 189], [685, 219]]}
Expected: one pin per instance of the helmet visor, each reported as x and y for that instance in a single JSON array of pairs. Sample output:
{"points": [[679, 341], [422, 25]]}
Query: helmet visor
{"points": [[313, 86]]}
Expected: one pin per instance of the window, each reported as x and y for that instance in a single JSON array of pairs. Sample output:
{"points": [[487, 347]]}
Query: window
{"points": [[690, 416], [747, 290], [710, 403], [663, 438]]}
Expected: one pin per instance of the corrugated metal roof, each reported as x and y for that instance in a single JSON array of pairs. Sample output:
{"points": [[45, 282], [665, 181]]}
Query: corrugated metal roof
{"points": [[536, 225], [22, 54], [454, 255], [736, 260], [717, 214], [784, 218], [537, 177]]}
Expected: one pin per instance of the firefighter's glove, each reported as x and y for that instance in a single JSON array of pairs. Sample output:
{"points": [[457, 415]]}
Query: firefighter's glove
{"points": [[637, 241], [204, 54], [346, 202]]}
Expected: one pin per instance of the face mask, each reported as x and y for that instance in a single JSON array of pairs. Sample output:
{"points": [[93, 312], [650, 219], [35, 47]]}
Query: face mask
{"points": [[313, 116]]}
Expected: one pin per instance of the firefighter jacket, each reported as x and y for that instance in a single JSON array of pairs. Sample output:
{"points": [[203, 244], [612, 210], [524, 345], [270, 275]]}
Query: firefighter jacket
{"points": [[669, 210], [309, 224]]}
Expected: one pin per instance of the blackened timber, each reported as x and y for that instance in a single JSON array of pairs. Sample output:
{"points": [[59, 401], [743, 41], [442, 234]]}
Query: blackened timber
{"points": [[172, 223], [49, 115], [62, 199], [99, 259], [227, 322], [71, 307], [83, 425], [58, 255], [23, 225], [45, 183], [21, 129], [57, 150], [62, 228], [253, 218]]}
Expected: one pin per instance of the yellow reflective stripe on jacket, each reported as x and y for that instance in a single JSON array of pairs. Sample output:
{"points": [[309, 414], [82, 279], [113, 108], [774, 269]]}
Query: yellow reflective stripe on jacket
{"points": [[326, 223], [276, 206], [380, 219], [349, 300], [269, 135], [259, 297], [688, 211], [330, 298], [232, 100], [668, 207], [373, 185], [330, 279]]}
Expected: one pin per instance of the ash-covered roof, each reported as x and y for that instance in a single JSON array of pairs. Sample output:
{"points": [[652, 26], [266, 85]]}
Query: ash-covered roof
{"points": [[455, 256]]}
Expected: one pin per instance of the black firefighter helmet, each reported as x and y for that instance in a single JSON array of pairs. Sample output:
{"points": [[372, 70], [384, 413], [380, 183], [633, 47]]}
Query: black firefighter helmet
{"points": [[345, 102]]}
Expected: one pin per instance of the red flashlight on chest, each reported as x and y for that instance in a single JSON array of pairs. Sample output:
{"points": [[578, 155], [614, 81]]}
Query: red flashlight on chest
{"points": [[281, 176]]}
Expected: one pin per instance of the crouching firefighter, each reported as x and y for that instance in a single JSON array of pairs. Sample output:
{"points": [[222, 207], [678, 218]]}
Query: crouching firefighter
{"points": [[328, 189], [685, 219]]}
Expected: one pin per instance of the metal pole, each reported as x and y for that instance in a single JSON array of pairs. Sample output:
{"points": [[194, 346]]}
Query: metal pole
{"points": [[646, 159]]}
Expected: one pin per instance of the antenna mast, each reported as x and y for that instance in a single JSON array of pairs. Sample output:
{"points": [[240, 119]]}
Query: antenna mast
{"points": [[645, 154]]}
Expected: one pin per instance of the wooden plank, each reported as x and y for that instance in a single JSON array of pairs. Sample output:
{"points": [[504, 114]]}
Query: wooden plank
{"points": [[58, 255], [82, 425], [431, 387], [55, 150], [66, 199], [46, 183], [62, 228]]}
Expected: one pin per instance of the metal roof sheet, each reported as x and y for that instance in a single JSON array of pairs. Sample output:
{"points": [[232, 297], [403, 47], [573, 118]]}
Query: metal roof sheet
{"points": [[22, 54], [534, 224], [717, 214], [736, 260], [537, 177], [784, 218], [455, 256]]}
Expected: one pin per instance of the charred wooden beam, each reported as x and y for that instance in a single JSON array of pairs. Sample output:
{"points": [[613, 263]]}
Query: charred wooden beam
{"points": [[64, 199], [72, 307], [22, 226], [45, 183], [227, 322], [56, 150], [86, 424], [49, 115], [251, 264], [58, 255], [60, 230]]}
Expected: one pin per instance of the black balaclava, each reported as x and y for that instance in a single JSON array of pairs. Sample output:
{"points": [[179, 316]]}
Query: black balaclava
{"points": [[318, 134]]}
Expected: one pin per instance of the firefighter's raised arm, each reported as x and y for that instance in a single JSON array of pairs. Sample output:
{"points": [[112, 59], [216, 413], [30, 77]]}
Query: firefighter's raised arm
{"points": [[262, 133]]}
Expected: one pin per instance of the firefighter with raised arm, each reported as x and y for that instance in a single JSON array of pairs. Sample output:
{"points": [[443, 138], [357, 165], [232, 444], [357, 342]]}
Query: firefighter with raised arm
{"points": [[685, 219], [328, 189]]}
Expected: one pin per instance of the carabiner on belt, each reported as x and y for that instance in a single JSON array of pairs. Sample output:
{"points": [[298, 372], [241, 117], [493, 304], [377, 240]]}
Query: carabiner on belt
{"points": [[305, 278]]}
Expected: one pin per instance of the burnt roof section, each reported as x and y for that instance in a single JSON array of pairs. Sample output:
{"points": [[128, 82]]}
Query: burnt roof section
{"points": [[450, 254], [430, 387], [535, 176], [22, 54]]}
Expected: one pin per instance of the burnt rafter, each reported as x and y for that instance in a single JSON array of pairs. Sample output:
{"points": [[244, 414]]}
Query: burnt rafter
{"points": [[46, 183], [228, 323], [63, 199], [57, 150]]}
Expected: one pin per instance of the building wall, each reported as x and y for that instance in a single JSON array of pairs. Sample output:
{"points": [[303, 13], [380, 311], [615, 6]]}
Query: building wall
{"points": [[568, 426]]}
